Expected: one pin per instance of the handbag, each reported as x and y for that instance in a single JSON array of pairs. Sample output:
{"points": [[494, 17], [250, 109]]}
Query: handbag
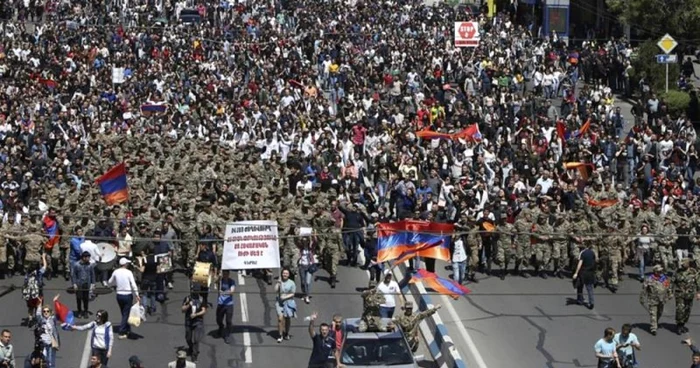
{"points": [[54, 343], [312, 268]]}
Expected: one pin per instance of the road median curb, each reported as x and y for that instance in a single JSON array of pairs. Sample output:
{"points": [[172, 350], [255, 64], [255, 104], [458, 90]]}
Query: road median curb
{"points": [[434, 332]]}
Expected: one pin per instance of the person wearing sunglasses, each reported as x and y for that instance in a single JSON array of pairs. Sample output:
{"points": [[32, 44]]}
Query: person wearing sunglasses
{"points": [[47, 333], [102, 336]]}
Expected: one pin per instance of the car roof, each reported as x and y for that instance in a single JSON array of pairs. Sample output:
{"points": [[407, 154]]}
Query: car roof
{"points": [[352, 324]]}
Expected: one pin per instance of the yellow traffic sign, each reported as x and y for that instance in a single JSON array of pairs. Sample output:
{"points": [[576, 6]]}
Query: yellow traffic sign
{"points": [[667, 43]]}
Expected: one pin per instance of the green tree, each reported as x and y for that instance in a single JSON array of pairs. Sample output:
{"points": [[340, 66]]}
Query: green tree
{"points": [[654, 18], [644, 66]]}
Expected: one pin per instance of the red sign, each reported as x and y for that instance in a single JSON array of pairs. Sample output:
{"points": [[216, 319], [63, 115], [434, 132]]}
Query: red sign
{"points": [[466, 34]]}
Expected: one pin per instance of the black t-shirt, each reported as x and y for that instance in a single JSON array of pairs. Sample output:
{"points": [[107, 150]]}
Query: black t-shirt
{"points": [[322, 349], [150, 271], [588, 258], [196, 307]]}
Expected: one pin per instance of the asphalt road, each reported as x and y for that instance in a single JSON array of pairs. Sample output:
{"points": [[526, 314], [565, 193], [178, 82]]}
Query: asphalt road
{"points": [[253, 340], [529, 323]]}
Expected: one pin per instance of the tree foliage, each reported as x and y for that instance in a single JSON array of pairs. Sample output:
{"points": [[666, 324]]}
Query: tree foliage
{"points": [[654, 18], [645, 66]]}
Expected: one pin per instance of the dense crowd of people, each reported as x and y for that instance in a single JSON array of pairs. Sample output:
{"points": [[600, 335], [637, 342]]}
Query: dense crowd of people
{"points": [[310, 113]]}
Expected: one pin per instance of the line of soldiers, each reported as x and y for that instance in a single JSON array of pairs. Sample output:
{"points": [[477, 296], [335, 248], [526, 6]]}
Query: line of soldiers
{"points": [[549, 241]]}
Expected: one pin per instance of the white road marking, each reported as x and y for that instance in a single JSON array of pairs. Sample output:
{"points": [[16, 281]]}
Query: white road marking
{"points": [[85, 358], [241, 279], [246, 335], [447, 303]]}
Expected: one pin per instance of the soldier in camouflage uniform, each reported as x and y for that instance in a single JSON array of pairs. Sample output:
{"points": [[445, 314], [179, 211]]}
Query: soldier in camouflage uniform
{"points": [[541, 237], [579, 230], [322, 222], [656, 291], [695, 240], [523, 245], [663, 255], [685, 284], [409, 323], [371, 300], [560, 244], [505, 244], [474, 248], [615, 245]]}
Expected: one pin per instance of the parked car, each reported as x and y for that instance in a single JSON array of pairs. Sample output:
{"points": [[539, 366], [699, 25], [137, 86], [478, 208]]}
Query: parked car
{"points": [[376, 349]]}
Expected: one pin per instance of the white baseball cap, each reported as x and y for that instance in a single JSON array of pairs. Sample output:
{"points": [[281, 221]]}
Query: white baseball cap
{"points": [[124, 261]]}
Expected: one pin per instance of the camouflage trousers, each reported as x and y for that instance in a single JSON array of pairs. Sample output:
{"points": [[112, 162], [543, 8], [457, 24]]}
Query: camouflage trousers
{"points": [[602, 269], [615, 264], [504, 253], [683, 308], [473, 260], [57, 259], [696, 255], [655, 312], [331, 257], [543, 255], [560, 255], [663, 256], [523, 252]]}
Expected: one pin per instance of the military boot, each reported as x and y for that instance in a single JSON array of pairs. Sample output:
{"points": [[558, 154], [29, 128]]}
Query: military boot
{"points": [[488, 267], [333, 282], [504, 271]]}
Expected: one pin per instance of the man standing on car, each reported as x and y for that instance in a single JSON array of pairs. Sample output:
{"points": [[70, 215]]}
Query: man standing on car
{"points": [[323, 347]]}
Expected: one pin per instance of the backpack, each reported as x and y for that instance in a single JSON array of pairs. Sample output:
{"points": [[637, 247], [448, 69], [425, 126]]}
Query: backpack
{"points": [[31, 288]]}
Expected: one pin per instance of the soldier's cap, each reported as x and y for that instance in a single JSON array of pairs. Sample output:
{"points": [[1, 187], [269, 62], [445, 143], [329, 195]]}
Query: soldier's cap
{"points": [[657, 268], [408, 305]]}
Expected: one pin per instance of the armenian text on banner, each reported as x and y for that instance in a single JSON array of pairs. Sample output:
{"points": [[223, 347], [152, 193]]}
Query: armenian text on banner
{"points": [[251, 245]]}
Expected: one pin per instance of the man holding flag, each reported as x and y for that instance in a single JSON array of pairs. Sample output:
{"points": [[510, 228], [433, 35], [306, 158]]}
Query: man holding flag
{"points": [[53, 232]]}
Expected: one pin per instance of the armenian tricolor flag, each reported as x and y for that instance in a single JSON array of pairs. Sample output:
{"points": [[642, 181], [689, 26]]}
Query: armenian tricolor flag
{"points": [[602, 203], [439, 284], [410, 238], [51, 228], [470, 133], [583, 168], [429, 134], [113, 185], [152, 109], [63, 313], [405, 256]]}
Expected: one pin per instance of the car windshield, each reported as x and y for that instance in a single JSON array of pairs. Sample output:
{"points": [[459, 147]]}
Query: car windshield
{"points": [[384, 351]]}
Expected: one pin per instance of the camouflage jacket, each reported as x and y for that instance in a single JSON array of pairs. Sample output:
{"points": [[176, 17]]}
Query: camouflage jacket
{"points": [[656, 290], [685, 283]]}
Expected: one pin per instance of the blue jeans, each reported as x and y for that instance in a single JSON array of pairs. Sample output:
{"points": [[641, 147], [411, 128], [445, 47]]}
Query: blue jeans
{"points": [[307, 279], [125, 302], [386, 312], [352, 240], [641, 256], [459, 271], [148, 287], [50, 354]]}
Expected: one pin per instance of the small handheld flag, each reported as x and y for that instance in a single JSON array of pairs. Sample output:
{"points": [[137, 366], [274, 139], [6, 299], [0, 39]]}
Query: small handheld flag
{"points": [[63, 313], [51, 228]]}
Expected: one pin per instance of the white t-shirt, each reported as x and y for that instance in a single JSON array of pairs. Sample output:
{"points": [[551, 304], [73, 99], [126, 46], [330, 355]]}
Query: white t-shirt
{"points": [[93, 249], [389, 291]]}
